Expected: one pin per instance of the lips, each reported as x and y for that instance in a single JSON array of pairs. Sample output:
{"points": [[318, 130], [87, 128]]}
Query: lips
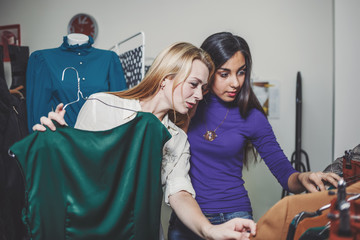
{"points": [[190, 105], [231, 94]]}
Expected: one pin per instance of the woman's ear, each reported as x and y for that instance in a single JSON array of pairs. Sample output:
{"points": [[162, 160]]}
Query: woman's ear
{"points": [[166, 80]]}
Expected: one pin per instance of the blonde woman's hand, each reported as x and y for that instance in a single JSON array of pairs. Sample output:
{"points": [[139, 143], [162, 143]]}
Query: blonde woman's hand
{"points": [[237, 228], [58, 116]]}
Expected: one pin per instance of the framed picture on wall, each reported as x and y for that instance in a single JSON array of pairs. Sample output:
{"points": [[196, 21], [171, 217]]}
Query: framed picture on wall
{"points": [[267, 93], [9, 35]]}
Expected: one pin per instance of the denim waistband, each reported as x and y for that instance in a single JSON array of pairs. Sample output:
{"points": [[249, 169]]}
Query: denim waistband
{"points": [[218, 218]]}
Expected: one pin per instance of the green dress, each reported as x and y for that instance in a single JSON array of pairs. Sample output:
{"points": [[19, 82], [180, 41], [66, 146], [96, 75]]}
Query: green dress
{"points": [[94, 185]]}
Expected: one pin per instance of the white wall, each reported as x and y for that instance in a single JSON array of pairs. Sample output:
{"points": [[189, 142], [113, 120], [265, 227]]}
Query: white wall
{"points": [[285, 37], [347, 81]]}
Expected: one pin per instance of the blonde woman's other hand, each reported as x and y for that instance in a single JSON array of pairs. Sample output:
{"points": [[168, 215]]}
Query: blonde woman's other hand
{"points": [[237, 228], [57, 116]]}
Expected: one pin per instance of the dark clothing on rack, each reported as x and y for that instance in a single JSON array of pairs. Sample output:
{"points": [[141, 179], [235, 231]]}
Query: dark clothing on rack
{"points": [[132, 64], [2, 71], [94, 185], [19, 57], [99, 71], [13, 127]]}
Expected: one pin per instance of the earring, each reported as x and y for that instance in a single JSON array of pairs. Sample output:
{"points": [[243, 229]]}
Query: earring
{"points": [[162, 85]]}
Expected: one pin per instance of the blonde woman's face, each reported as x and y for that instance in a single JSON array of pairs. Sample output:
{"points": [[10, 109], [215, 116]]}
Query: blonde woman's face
{"points": [[189, 92]]}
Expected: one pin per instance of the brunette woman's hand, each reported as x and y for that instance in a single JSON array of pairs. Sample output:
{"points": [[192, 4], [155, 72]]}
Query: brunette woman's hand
{"points": [[314, 181], [58, 116]]}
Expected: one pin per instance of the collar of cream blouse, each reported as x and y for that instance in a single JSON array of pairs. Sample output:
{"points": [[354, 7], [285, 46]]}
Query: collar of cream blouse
{"points": [[171, 127]]}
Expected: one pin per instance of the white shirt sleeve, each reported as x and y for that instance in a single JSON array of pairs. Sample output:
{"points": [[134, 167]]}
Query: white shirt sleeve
{"points": [[176, 165]]}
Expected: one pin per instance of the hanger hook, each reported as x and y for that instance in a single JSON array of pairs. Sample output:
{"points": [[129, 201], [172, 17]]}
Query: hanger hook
{"points": [[10, 153], [77, 73], [78, 83]]}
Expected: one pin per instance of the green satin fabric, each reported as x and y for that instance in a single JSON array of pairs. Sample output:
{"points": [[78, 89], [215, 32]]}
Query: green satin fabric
{"points": [[94, 185]]}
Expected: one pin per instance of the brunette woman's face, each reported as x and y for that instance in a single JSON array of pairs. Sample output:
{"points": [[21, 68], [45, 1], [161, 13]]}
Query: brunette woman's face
{"points": [[189, 92], [229, 78]]}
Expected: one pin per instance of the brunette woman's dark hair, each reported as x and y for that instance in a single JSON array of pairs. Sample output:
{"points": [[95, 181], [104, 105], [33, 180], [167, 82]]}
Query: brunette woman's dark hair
{"points": [[221, 47]]}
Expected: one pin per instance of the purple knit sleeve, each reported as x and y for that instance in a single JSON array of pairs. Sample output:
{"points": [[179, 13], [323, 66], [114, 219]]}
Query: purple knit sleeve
{"points": [[264, 140]]}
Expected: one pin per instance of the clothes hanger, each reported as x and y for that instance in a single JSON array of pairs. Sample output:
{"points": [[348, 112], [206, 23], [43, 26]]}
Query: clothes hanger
{"points": [[79, 93], [110, 105]]}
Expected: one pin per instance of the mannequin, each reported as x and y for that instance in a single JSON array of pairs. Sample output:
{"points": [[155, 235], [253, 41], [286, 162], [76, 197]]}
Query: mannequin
{"points": [[77, 38], [45, 87]]}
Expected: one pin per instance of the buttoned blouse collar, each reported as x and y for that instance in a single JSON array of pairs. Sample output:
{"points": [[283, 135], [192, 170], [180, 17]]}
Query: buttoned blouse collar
{"points": [[83, 48], [135, 105], [171, 127]]}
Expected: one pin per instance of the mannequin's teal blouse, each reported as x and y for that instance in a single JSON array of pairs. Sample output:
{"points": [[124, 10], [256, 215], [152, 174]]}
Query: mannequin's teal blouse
{"points": [[99, 70]]}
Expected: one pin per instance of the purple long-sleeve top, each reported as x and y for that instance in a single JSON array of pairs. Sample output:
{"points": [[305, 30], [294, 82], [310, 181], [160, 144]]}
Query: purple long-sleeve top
{"points": [[216, 167]]}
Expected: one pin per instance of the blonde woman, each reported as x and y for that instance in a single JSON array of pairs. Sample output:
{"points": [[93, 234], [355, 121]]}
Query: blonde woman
{"points": [[174, 83]]}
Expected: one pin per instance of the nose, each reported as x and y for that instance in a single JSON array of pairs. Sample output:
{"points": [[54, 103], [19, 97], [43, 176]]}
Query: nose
{"points": [[198, 94], [235, 82]]}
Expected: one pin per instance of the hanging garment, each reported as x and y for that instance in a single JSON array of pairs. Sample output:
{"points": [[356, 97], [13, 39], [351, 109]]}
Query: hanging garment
{"points": [[307, 224], [347, 166], [19, 56], [13, 127], [351, 165], [99, 71], [344, 220], [94, 185], [304, 221], [2, 70], [274, 224], [340, 222], [132, 65], [315, 233]]}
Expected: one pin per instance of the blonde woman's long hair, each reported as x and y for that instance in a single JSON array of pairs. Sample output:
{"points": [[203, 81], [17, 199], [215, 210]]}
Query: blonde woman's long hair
{"points": [[175, 63]]}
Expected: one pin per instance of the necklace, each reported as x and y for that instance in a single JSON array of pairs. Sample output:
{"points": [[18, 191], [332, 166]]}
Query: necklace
{"points": [[211, 135]]}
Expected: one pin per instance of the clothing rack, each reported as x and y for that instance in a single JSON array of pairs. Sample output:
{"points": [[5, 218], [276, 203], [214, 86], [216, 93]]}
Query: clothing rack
{"points": [[117, 50], [296, 156]]}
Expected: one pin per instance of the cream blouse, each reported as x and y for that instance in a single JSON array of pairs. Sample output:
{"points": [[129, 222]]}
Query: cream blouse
{"points": [[97, 114]]}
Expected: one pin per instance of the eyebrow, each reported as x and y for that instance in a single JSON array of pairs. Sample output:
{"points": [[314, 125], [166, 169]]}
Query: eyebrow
{"points": [[226, 69]]}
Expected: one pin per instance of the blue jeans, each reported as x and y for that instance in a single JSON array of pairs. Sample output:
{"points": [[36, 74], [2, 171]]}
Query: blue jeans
{"points": [[178, 231]]}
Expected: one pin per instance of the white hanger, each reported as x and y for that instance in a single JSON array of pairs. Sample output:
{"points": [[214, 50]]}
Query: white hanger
{"points": [[79, 93]]}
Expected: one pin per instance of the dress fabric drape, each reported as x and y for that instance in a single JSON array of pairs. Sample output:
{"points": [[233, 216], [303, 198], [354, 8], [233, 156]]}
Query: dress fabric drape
{"points": [[94, 185]]}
